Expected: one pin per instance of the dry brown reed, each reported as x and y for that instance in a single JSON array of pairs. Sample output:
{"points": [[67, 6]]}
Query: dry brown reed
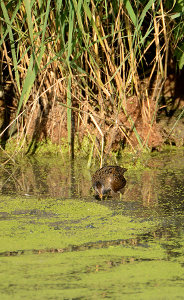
{"points": [[85, 69]]}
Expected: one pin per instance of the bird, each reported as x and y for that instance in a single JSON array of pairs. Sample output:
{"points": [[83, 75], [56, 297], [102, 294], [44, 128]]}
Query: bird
{"points": [[108, 179]]}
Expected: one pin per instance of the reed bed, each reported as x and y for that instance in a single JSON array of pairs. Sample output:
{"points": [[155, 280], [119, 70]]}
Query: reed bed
{"points": [[87, 70]]}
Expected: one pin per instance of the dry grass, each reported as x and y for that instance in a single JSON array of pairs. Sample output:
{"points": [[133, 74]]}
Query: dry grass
{"points": [[76, 69]]}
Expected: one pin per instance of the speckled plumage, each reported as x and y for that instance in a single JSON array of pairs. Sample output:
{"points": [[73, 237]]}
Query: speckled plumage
{"points": [[107, 179]]}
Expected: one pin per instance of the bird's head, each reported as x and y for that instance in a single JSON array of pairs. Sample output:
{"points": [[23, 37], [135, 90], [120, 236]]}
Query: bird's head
{"points": [[99, 188]]}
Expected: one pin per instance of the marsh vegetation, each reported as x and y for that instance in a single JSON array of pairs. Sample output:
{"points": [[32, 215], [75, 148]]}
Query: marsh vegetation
{"points": [[101, 75]]}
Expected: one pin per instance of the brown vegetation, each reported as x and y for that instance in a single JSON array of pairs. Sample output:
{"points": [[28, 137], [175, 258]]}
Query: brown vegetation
{"points": [[105, 76]]}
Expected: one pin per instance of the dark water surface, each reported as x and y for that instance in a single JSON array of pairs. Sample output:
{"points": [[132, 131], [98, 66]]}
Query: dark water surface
{"points": [[58, 242]]}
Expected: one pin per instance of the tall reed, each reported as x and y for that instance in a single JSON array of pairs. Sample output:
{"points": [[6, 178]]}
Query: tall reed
{"points": [[106, 61]]}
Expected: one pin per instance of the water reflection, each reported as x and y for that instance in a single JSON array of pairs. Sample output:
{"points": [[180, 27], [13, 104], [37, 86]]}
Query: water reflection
{"points": [[45, 178], [159, 186], [133, 234]]}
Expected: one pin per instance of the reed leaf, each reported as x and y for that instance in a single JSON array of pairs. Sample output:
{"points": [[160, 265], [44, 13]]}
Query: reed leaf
{"points": [[28, 5], [131, 12], [69, 113], [7, 20], [46, 21], [96, 52], [30, 78], [12, 43]]}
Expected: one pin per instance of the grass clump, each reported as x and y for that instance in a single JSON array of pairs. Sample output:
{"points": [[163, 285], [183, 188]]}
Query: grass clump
{"points": [[87, 69]]}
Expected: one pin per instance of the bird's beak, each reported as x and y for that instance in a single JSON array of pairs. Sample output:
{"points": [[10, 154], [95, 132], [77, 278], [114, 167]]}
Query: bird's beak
{"points": [[101, 196]]}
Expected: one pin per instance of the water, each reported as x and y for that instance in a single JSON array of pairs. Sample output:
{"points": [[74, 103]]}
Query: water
{"points": [[59, 242]]}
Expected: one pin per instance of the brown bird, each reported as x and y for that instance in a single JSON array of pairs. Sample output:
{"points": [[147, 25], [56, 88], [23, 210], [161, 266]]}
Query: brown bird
{"points": [[108, 179]]}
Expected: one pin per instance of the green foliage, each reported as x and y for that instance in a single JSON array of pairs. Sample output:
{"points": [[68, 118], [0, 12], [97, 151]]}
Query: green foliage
{"points": [[94, 56], [178, 32]]}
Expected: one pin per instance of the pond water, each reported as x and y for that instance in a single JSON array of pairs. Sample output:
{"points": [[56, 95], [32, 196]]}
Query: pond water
{"points": [[58, 242]]}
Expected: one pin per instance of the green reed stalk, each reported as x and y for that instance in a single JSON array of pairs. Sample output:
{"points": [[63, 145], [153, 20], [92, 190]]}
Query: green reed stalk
{"points": [[69, 93], [104, 45], [12, 41], [69, 113], [37, 53]]}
